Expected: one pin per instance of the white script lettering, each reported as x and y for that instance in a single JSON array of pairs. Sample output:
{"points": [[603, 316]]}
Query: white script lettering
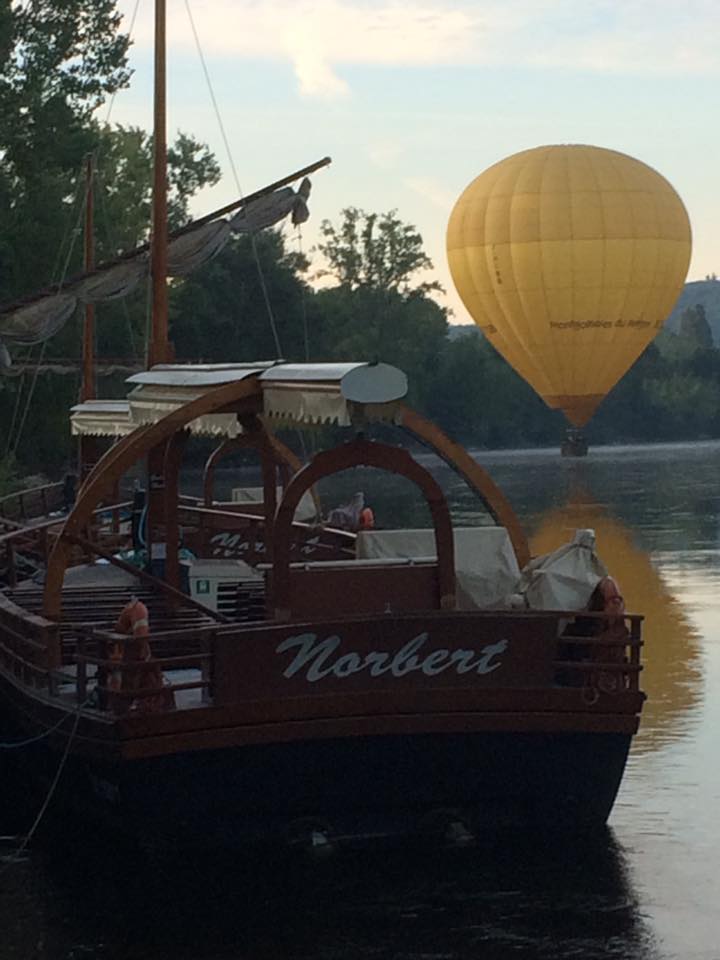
{"points": [[316, 658]]}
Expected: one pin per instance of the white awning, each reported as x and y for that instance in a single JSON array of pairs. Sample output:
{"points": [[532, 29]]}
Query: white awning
{"points": [[150, 403], [340, 393], [168, 386], [299, 393], [101, 418]]}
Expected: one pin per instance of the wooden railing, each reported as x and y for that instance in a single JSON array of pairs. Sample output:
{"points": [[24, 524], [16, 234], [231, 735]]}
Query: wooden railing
{"points": [[29, 646], [33, 503], [601, 652], [36, 541], [94, 647]]}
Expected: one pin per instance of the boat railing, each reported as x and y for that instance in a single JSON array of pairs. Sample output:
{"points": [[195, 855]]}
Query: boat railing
{"points": [[99, 657], [28, 504], [29, 646], [36, 539], [600, 651]]}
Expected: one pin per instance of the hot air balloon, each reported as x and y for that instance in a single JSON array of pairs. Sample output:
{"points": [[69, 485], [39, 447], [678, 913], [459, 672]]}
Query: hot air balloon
{"points": [[569, 258]]}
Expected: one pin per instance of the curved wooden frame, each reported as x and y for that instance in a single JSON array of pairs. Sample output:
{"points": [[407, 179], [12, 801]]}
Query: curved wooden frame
{"points": [[118, 459], [476, 477], [362, 453], [284, 457]]}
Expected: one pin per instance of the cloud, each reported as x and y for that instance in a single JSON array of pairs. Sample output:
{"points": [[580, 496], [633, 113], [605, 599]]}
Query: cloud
{"points": [[432, 191], [320, 38]]}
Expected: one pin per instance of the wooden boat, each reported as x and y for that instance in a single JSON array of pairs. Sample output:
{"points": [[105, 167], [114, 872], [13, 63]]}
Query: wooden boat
{"points": [[321, 691], [339, 696]]}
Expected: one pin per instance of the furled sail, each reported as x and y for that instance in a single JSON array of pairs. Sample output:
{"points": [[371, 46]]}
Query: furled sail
{"points": [[37, 318]]}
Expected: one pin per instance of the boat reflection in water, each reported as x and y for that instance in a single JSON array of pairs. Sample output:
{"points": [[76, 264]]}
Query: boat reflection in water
{"points": [[672, 677], [549, 901]]}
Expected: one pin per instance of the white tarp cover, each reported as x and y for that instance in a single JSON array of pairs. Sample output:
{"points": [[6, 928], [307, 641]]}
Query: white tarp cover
{"points": [[565, 578], [486, 568], [306, 509]]}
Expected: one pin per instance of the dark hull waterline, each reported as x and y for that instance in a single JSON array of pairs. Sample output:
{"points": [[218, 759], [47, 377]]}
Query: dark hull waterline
{"points": [[356, 790]]}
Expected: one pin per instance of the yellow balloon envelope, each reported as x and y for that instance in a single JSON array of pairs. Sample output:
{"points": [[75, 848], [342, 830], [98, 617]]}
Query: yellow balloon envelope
{"points": [[569, 258]]}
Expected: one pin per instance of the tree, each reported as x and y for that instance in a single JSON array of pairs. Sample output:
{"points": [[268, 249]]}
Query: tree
{"points": [[695, 327], [374, 250], [378, 309], [58, 61], [220, 312]]}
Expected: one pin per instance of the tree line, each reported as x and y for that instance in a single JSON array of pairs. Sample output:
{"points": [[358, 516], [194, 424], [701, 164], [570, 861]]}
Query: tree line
{"points": [[360, 294]]}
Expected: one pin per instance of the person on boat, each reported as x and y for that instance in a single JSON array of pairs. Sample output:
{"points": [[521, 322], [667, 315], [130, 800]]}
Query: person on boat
{"points": [[352, 516], [367, 519], [144, 674]]}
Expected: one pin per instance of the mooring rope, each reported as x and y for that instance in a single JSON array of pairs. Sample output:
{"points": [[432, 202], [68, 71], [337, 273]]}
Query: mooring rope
{"points": [[16, 854]]}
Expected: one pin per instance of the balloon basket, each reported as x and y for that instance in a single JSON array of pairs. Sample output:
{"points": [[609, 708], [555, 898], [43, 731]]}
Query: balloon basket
{"points": [[574, 444]]}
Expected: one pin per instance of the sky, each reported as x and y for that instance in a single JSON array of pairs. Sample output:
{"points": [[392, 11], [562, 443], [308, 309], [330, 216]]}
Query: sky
{"points": [[413, 99]]}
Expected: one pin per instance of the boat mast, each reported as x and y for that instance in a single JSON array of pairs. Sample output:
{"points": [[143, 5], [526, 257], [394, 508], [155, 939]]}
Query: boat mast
{"points": [[160, 350], [87, 386]]}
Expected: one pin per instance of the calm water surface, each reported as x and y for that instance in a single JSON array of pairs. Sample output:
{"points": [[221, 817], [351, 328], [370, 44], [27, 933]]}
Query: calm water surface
{"points": [[648, 889]]}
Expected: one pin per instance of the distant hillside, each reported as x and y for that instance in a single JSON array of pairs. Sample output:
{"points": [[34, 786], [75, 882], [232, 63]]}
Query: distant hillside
{"points": [[456, 330], [706, 292]]}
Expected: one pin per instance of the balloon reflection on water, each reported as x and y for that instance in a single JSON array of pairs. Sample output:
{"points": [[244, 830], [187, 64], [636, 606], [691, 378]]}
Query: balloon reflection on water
{"points": [[672, 677]]}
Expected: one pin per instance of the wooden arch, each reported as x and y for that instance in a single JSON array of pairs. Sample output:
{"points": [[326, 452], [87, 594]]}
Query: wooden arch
{"points": [[362, 453], [477, 478], [283, 456], [119, 458]]}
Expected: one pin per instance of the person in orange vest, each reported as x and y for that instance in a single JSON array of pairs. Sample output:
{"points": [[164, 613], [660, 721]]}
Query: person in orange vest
{"points": [[366, 520], [135, 649]]}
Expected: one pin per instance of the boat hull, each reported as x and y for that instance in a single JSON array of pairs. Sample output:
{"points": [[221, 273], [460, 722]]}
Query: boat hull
{"points": [[355, 789]]}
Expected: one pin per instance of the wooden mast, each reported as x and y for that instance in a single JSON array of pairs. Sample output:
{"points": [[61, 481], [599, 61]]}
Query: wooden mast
{"points": [[159, 509], [87, 386], [159, 350]]}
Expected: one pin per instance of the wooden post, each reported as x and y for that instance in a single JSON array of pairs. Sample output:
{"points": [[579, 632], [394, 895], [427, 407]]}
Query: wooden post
{"points": [[171, 467], [159, 350]]}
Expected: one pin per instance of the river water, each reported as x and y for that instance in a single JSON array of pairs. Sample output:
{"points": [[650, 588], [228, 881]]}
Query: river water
{"points": [[647, 889]]}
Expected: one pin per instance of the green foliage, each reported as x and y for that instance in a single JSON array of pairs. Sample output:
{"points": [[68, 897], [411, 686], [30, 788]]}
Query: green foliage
{"points": [[694, 327], [220, 312], [478, 398], [378, 310], [9, 478], [58, 62], [374, 250]]}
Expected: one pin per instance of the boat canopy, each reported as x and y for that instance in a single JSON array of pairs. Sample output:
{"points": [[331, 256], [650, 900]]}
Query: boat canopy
{"points": [[300, 394], [101, 418]]}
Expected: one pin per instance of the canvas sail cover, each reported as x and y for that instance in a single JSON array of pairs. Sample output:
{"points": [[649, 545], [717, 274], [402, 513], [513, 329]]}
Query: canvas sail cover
{"points": [[38, 318]]}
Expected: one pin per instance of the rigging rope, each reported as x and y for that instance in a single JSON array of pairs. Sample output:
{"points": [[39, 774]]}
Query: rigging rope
{"points": [[50, 794], [70, 238], [16, 409], [109, 235], [263, 285], [111, 104]]}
